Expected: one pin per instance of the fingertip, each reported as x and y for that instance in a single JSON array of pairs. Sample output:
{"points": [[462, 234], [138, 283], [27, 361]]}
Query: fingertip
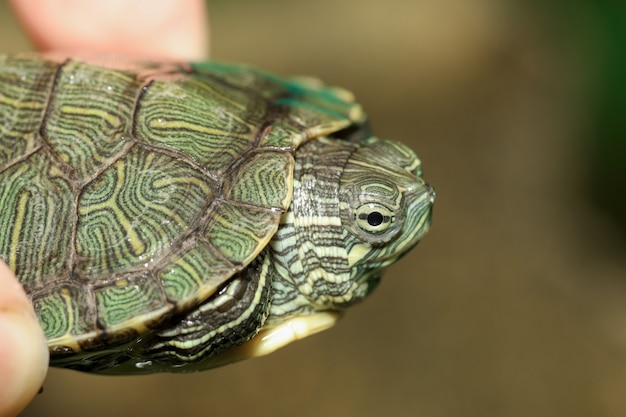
{"points": [[23, 351], [172, 29]]}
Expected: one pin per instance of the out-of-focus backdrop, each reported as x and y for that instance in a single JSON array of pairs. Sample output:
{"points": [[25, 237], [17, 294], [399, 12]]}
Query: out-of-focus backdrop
{"points": [[515, 303]]}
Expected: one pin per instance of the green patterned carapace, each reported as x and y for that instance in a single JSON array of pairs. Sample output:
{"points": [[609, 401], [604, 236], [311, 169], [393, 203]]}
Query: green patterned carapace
{"points": [[167, 217]]}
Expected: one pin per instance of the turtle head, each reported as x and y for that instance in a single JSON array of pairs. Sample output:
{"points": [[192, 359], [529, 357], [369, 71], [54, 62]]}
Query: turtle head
{"points": [[385, 206], [359, 204]]}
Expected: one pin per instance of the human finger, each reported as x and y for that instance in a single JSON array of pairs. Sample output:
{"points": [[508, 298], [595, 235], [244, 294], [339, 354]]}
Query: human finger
{"points": [[23, 351], [155, 29]]}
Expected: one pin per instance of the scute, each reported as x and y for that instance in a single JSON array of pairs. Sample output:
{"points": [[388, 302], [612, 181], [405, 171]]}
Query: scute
{"points": [[262, 180], [129, 300], [64, 312], [26, 82], [130, 215], [36, 204], [94, 111], [239, 232], [314, 109], [184, 276], [136, 192], [224, 124]]}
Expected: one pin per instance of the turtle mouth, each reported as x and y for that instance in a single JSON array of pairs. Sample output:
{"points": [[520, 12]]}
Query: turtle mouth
{"points": [[419, 213]]}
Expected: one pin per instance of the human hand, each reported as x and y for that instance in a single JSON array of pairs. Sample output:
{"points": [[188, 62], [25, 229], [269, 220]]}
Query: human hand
{"points": [[168, 29]]}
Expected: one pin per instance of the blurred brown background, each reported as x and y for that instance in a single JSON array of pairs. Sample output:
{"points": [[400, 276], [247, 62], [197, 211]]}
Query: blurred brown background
{"points": [[515, 303]]}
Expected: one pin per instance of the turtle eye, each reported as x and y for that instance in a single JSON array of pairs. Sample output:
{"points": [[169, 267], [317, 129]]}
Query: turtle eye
{"points": [[374, 218]]}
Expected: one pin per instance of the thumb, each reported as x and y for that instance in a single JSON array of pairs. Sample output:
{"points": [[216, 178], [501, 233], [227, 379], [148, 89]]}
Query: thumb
{"points": [[23, 351]]}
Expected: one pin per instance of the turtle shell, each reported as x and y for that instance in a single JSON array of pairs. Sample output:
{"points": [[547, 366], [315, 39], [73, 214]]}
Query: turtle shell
{"points": [[133, 191]]}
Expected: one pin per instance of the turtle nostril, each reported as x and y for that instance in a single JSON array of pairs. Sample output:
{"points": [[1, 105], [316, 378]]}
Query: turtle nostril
{"points": [[431, 191]]}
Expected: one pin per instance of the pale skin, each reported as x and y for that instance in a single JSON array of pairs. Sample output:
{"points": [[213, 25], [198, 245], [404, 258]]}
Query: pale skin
{"points": [[159, 29]]}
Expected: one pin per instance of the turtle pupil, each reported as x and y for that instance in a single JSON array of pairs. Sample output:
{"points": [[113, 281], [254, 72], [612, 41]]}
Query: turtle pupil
{"points": [[375, 218]]}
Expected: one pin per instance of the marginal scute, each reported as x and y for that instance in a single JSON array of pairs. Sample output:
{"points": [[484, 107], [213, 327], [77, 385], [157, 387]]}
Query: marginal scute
{"points": [[241, 232], [263, 180], [330, 100], [305, 121], [64, 314], [315, 121], [194, 273], [129, 299], [241, 77], [287, 135], [313, 109]]}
